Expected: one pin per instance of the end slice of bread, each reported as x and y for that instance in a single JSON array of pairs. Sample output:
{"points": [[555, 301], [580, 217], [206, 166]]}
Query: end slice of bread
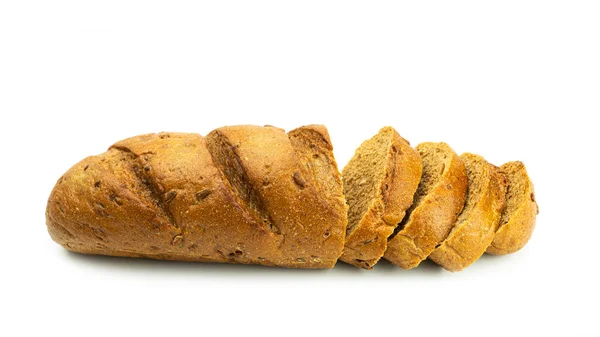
{"points": [[437, 203], [379, 185], [479, 220], [518, 218]]}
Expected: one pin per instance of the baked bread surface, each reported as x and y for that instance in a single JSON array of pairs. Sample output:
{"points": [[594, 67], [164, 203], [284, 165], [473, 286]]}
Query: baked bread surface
{"points": [[243, 194], [259, 195]]}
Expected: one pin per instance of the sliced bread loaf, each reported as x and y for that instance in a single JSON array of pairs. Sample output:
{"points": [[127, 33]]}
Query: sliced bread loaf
{"points": [[437, 203], [476, 225], [379, 184], [518, 218]]}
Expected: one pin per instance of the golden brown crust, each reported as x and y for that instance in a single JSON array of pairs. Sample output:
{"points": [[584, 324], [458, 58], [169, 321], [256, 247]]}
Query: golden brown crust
{"points": [[432, 219], [471, 236], [366, 244], [163, 196], [516, 232], [180, 168], [286, 195], [100, 207], [258, 195]]}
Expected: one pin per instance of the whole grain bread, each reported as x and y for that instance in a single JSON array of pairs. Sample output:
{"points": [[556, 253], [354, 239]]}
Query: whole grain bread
{"points": [[243, 194], [476, 225], [258, 195], [437, 203], [518, 218], [379, 183]]}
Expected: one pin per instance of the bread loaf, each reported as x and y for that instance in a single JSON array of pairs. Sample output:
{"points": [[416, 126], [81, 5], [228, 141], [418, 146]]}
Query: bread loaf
{"points": [[242, 194], [259, 195], [437, 203]]}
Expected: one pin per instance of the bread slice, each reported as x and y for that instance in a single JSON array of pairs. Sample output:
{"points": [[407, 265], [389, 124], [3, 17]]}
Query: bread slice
{"points": [[379, 184], [518, 218], [478, 222], [437, 203]]}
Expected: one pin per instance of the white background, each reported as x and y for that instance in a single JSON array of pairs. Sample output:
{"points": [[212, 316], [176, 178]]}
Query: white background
{"points": [[511, 80]]}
